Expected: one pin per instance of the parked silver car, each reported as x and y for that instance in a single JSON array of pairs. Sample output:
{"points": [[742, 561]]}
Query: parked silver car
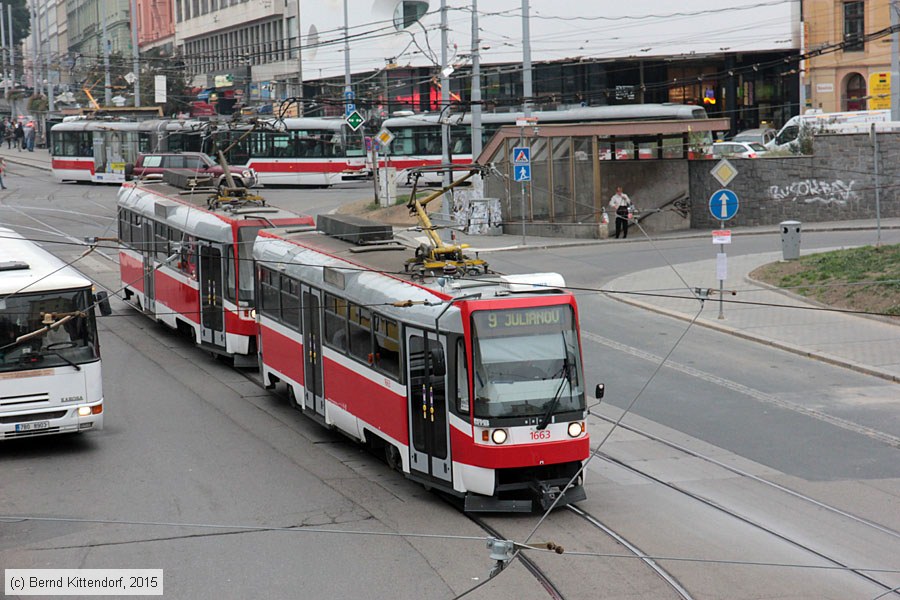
{"points": [[760, 136]]}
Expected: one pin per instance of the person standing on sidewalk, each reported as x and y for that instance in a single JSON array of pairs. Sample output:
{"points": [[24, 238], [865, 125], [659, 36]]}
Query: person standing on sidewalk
{"points": [[19, 136], [621, 205], [2, 172], [29, 136]]}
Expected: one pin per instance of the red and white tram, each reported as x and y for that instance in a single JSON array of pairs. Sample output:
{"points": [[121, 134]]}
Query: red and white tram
{"points": [[472, 385], [294, 151], [185, 261]]}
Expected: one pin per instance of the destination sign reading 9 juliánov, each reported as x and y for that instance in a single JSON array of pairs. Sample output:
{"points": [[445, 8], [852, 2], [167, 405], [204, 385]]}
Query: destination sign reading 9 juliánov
{"points": [[522, 321]]}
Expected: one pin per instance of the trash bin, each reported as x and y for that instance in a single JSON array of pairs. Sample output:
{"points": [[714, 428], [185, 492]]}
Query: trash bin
{"points": [[790, 239], [388, 185]]}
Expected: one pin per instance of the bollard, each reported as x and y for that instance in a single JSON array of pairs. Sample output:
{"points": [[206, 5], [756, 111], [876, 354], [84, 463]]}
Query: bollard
{"points": [[790, 239]]}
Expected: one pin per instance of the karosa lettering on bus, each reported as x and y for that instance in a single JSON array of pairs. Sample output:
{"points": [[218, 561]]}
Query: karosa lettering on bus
{"points": [[529, 318]]}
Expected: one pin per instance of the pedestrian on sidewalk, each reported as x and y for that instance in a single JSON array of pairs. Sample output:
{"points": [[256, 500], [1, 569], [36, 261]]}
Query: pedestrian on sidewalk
{"points": [[622, 206], [9, 134], [29, 136], [19, 136], [2, 172]]}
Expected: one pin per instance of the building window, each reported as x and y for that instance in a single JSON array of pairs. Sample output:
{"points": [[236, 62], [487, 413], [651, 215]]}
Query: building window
{"points": [[854, 26], [855, 94]]}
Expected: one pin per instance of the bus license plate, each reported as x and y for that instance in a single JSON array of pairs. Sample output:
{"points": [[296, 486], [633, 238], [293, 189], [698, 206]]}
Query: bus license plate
{"points": [[33, 426]]}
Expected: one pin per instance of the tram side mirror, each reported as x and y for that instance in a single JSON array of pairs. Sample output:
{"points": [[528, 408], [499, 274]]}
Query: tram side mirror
{"points": [[599, 391], [129, 171], [438, 367], [102, 300]]}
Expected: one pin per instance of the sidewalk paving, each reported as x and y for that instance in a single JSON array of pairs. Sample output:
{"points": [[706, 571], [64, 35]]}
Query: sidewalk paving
{"points": [[756, 312]]}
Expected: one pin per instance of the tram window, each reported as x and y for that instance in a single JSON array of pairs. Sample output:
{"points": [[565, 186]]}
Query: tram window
{"points": [[230, 279], [462, 378], [161, 241], [268, 294], [361, 333], [387, 346], [188, 262], [137, 232], [335, 322], [290, 302], [124, 227]]}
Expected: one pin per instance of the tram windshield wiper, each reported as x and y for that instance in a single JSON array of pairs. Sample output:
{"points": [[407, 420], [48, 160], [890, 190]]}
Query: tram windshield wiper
{"points": [[566, 378]]}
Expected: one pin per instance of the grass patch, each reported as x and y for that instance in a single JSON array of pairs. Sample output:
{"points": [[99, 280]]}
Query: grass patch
{"points": [[865, 279]]}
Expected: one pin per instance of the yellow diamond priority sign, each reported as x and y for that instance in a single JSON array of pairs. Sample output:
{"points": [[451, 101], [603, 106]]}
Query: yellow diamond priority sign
{"points": [[724, 172]]}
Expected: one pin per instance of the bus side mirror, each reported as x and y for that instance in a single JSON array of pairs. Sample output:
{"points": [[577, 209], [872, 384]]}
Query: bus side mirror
{"points": [[102, 300], [599, 390]]}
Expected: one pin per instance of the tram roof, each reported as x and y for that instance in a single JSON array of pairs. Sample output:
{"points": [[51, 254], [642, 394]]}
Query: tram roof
{"points": [[190, 210], [376, 274], [45, 272]]}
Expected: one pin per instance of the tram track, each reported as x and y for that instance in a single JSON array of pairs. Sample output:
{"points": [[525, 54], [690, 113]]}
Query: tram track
{"points": [[889, 589]]}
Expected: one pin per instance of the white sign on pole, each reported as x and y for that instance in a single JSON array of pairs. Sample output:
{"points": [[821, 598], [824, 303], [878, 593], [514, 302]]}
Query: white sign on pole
{"points": [[159, 89], [721, 236], [721, 266]]}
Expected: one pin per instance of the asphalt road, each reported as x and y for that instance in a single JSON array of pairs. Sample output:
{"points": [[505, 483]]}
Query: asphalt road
{"points": [[194, 456]]}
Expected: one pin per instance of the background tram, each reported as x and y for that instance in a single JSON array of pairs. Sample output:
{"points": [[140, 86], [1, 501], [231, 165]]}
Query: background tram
{"points": [[49, 344], [294, 151], [471, 385], [417, 138], [185, 261]]}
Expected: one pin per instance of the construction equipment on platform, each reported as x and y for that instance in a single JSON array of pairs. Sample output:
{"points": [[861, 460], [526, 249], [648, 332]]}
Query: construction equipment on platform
{"points": [[436, 256]]}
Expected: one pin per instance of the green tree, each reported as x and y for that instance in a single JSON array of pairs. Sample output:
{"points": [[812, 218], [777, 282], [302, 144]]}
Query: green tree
{"points": [[21, 25]]}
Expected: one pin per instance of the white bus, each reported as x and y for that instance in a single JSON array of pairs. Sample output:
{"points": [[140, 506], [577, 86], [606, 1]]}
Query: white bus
{"points": [[50, 378]]}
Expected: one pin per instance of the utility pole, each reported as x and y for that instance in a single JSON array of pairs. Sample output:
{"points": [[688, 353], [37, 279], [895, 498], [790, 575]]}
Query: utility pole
{"points": [[12, 45], [35, 61], [895, 62], [3, 50], [51, 106], [348, 87], [526, 59], [476, 97], [107, 84], [137, 54], [299, 93], [445, 108]]}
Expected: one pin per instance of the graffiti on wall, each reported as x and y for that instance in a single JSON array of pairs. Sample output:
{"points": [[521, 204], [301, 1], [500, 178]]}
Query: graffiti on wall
{"points": [[809, 191]]}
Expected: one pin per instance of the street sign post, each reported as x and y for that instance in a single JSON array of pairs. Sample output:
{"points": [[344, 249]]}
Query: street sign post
{"points": [[522, 172]]}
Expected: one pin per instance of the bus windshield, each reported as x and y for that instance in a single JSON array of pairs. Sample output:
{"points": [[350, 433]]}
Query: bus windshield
{"points": [[524, 360], [72, 342]]}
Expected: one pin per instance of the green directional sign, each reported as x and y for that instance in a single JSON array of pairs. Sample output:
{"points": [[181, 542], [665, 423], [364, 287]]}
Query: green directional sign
{"points": [[355, 120]]}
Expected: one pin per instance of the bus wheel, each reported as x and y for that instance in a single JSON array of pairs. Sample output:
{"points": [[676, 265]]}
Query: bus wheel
{"points": [[392, 456]]}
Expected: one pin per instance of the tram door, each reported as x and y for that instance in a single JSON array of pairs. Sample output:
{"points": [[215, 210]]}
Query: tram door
{"points": [[149, 268], [212, 313], [429, 433], [313, 396]]}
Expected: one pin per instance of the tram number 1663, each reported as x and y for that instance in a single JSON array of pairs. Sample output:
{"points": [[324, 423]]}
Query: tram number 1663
{"points": [[543, 434]]}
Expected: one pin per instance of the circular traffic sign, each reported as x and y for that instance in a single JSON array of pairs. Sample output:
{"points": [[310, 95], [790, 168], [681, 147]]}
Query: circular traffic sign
{"points": [[723, 204]]}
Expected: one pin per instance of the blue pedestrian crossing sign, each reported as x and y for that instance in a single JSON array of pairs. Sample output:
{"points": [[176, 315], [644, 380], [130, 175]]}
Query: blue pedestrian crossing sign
{"points": [[523, 172], [723, 204], [522, 156]]}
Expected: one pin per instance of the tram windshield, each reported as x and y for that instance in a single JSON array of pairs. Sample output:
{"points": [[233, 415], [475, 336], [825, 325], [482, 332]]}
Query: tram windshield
{"points": [[525, 359], [72, 342]]}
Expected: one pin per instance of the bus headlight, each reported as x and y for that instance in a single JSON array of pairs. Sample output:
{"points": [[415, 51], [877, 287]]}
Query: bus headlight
{"points": [[84, 411], [499, 436], [576, 428]]}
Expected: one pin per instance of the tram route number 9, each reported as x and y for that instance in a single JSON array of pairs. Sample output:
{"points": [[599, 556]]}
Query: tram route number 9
{"points": [[543, 434]]}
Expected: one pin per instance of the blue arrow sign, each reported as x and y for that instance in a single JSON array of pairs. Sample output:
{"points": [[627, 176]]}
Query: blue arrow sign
{"points": [[723, 204], [521, 155], [523, 172], [349, 95]]}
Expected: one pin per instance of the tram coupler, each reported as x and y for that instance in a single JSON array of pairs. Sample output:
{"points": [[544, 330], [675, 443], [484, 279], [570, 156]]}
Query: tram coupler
{"points": [[546, 494]]}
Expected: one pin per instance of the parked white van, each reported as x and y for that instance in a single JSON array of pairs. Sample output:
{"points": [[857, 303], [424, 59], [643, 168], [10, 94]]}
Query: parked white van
{"points": [[821, 122]]}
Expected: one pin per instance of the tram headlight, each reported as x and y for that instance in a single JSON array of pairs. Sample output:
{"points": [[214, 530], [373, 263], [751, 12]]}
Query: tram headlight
{"points": [[576, 428], [499, 436]]}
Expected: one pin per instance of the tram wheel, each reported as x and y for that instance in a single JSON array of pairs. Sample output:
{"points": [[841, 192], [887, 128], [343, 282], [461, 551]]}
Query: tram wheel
{"points": [[392, 456]]}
